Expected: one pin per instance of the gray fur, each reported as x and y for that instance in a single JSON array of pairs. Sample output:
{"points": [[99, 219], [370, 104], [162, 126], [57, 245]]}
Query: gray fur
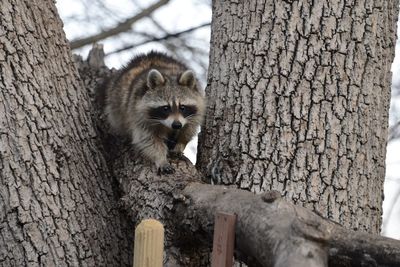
{"points": [[152, 81], [154, 78], [187, 79]]}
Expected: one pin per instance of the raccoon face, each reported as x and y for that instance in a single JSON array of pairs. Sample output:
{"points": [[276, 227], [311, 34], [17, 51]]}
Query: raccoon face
{"points": [[173, 115], [172, 101]]}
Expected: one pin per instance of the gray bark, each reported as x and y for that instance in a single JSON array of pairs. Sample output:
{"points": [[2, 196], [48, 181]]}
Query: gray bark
{"points": [[269, 231], [58, 205], [62, 175], [272, 232], [298, 102]]}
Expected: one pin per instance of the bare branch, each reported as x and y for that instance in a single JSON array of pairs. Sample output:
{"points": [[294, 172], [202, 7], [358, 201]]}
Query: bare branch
{"points": [[158, 25], [394, 131], [122, 27], [155, 39]]}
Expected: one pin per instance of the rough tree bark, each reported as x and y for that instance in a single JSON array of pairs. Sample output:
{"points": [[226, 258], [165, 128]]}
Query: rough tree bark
{"points": [[58, 205], [59, 169], [269, 231], [298, 102]]}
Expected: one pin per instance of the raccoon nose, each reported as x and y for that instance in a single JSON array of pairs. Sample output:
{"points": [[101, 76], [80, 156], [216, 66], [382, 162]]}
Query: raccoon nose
{"points": [[176, 125]]}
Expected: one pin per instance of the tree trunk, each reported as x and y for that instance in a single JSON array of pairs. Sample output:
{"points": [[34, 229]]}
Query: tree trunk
{"points": [[298, 98], [58, 206], [62, 175]]}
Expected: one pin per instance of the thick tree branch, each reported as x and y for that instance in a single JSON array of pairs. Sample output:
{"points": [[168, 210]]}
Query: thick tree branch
{"points": [[121, 27], [269, 228], [360, 248]]}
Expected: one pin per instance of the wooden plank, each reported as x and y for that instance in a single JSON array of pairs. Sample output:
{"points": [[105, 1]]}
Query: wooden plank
{"points": [[149, 244], [224, 240]]}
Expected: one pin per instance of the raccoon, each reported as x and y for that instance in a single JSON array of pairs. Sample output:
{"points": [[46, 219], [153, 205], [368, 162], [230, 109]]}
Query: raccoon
{"points": [[156, 101]]}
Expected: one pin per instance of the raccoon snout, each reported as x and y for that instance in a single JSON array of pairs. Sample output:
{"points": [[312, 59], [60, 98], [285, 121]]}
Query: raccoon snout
{"points": [[176, 125]]}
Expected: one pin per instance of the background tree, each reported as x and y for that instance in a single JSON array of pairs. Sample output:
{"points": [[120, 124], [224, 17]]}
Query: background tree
{"points": [[62, 175]]}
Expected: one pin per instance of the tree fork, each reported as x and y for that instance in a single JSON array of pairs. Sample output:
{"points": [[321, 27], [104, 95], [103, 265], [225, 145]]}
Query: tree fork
{"points": [[269, 230]]}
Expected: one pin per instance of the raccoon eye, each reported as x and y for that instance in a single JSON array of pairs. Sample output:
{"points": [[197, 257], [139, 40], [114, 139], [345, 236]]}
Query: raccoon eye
{"points": [[166, 108], [188, 110]]}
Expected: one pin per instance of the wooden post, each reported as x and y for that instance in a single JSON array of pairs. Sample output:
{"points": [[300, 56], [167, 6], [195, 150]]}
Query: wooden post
{"points": [[149, 244], [224, 240]]}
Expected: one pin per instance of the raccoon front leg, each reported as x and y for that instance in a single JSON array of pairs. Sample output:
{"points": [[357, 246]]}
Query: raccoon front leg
{"points": [[177, 152], [156, 151], [183, 139]]}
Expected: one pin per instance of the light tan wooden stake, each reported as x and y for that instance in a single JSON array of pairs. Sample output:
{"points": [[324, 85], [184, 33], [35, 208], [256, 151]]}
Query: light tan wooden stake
{"points": [[224, 240], [149, 244]]}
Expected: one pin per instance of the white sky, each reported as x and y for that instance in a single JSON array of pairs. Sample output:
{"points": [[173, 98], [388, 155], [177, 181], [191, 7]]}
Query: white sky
{"points": [[182, 14], [392, 190]]}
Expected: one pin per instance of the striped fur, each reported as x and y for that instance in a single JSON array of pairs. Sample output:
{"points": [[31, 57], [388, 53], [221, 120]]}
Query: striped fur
{"points": [[148, 98]]}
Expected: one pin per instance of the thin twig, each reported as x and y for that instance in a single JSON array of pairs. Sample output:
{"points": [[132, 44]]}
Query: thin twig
{"points": [[155, 39], [121, 27], [394, 131]]}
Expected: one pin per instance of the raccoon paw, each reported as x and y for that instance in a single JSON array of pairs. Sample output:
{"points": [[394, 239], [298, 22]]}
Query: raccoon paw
{"points": [[176, 154], [166, 169]]}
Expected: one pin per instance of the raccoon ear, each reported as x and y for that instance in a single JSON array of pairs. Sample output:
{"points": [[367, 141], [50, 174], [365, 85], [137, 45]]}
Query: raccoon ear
{"points": [[154, 78], [187, 79]]}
